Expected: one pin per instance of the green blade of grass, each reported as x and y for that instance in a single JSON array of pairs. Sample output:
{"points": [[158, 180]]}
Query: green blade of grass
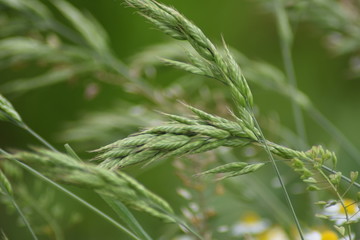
{"points": [[286, 194], [6, 189], [124, 214], [22, 216], [286, 40]]}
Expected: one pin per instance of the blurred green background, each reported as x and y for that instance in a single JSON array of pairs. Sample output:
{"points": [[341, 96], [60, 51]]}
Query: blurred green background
{"points": [[247, 26]]}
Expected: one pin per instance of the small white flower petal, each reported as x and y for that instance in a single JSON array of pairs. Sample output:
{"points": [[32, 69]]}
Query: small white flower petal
{"points": [[275, 233], [243, 228], [314, 235], [223, 228]]}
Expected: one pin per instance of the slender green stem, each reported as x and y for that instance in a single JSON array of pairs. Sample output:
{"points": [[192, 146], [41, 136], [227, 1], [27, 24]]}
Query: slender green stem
{"points": [[288, 200], [72, 195], [121, 210], [286, 42], [342, 176], [341, 202], [38, 137], [298, 115], [347, 190], [23, 218]]}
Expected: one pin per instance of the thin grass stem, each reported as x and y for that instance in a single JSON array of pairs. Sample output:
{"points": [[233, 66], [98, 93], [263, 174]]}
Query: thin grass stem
{"points": [[342, 176], [285, 36], [341, 202], [288, 200], [38, 137], [121, 210], [22, 216]]}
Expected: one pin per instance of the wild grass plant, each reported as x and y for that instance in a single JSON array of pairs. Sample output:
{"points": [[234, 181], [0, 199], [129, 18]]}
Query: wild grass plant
{"points": [[204, 145]]}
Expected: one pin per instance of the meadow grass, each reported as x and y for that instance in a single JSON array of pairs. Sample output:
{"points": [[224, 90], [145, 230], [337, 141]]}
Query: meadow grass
{"points": [[183, 136]]}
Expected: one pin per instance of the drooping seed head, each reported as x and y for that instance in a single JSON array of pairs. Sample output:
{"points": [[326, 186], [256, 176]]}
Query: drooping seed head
{"points": [[8, 112]]}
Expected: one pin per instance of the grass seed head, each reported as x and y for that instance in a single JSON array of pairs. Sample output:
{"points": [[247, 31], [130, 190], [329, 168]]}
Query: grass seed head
{"points": [[8, 113]]}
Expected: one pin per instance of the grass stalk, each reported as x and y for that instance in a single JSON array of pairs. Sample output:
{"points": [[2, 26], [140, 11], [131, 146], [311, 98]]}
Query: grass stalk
{"points": [[6, 189], [121, 210], [38, 137], [288, 200], [22, 216], [286, 40], [341, 203], [342, 176]]}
